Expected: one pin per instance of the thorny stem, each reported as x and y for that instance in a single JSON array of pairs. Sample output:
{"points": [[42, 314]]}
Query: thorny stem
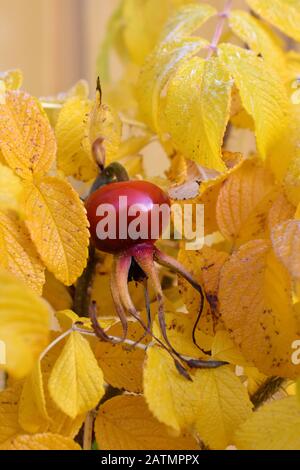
{"points": [[266, 391], [219, 29], [82, 297]]}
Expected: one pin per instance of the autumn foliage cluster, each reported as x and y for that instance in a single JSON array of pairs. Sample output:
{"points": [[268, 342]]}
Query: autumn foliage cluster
{"points": [[62, 388]]}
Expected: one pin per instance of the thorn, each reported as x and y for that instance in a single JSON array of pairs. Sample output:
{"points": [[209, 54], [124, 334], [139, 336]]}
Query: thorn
{"points": [[99, 89]]}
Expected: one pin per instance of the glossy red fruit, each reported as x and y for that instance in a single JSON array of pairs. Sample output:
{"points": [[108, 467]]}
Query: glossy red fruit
{"points": [[118, 224]]}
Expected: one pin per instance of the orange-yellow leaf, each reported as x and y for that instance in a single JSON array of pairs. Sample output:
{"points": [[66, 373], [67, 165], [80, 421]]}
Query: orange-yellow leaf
{"points": [[126, 423], [244, 202], [286, 244], [9, 402], [58, 225], [32, 406], [256, 306], [280, 211], [56, 293], [19, 255], [45, 441], [122, 366], [27, 141]]}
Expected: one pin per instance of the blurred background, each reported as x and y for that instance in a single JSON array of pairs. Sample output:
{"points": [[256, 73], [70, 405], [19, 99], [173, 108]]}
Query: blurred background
{"points": [[55, 42]]}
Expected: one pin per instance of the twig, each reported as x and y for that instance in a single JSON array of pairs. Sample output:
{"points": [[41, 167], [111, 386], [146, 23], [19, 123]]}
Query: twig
{"points": [[54, 343], [219, 29], [129, 342], [88, 430]]}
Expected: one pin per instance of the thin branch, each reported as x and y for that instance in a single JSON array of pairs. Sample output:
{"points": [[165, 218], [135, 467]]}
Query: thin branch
{"points": [[118, 339], [55, 342], [219, 29], [88, 430]]}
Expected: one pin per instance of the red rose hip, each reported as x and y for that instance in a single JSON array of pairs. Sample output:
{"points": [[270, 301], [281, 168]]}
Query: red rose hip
{"points": [[125, 214]]}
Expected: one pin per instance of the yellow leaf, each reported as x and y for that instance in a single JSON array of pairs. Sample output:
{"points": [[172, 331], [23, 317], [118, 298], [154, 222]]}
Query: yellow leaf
{"points": [[58, 225], [13, 79], [179, 327], [280, 211], [70, 131], [56, 293], [238, 115], [125, 423], [292, 180], [27, 141], [76, 382], [213, 404], [45, 441], [286, 244], [197, 110], [275, 426], [224, 349], [24, 323], [244, 202], [256, 306], [224, 406], [155, 73], [255, 379], [143, 21], [32, 405], [186, 20], [21, 257], [67, 318], [103, 122], [284, 14], [10, 189], [133, 145], [264, 97], [293, 65], [9, 402], [122, 366], [59, 422], [260, 39]]}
